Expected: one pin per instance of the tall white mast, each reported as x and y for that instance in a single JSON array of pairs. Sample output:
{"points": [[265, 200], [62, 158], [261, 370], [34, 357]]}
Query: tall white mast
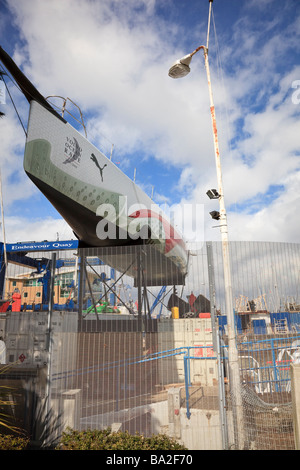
{"points": [[3, 232]]}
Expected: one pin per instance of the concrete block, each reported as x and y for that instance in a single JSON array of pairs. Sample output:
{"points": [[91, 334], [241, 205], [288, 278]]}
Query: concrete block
{"points": [[174, 403], [116, 427], [72, 408]]}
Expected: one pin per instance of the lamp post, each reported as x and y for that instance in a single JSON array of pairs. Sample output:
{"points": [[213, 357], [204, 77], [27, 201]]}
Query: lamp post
{"points": [[178, 70]]}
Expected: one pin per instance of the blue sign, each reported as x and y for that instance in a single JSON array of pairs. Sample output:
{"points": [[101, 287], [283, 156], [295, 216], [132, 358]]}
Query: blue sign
{"points": [[42, 246]]}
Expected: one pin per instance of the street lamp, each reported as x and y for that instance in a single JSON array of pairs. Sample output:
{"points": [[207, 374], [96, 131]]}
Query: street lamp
{"points": [[178, 70]]}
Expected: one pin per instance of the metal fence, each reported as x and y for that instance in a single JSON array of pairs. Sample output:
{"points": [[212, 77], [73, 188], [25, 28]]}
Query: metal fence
{"points": [[118, 337]]}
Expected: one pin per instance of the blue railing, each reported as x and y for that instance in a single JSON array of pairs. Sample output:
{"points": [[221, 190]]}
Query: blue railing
{"points": [[264, 365], [269, 361]]}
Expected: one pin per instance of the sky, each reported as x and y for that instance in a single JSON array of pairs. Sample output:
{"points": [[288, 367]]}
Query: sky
{"points": [[112, 57]]}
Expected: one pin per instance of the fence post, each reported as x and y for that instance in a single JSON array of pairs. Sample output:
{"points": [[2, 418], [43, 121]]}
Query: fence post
{"points": [[295, 386], [186, 360], [50, 332], [274, 366], [217, 346]]}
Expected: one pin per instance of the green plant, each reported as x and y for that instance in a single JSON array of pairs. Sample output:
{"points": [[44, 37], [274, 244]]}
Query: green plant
{"points": [[7, 403], [12, 437], [8, 442], [47, 424], [106, 440]]}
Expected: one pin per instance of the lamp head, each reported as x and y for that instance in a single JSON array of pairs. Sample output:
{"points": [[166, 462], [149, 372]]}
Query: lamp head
{"points": [[181, 67]]}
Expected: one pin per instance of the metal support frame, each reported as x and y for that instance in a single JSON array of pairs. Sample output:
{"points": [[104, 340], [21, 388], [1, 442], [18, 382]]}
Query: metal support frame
{"points": [[141, 287], [50, 333]]}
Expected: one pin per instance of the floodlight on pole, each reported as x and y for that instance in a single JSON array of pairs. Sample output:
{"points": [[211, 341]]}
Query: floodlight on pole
{"points": [[213, 194], [215, 215], [178, 70]]}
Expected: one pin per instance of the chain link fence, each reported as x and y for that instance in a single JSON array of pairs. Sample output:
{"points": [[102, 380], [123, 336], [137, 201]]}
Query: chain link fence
{"points": [[121, 337]]}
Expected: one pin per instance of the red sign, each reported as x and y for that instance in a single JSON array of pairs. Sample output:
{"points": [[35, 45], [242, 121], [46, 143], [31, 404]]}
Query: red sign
{"points": [[22, 357]]}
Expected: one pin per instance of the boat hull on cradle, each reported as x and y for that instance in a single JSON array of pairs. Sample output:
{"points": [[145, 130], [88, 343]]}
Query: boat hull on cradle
{"points": [[99, 202]]}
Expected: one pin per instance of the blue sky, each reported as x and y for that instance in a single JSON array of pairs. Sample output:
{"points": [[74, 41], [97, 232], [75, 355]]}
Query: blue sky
{"points": [[112, 59]]}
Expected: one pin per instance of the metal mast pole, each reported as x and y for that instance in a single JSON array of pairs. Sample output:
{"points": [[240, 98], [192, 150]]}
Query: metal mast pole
{"points": [[180, 69], [234, 377], [4, 238]]}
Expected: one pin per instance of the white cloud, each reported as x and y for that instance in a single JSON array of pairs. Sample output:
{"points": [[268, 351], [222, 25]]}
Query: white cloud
{"points": [[112, 58], [15, 183], [118, 68], [277, 222], [44, 228]]}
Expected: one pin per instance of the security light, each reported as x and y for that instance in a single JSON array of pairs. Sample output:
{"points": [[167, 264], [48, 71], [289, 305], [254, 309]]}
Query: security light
{"points": [[215, 215], [213, 194]]}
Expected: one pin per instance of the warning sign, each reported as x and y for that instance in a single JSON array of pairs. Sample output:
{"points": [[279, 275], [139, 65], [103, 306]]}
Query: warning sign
{"points": [[22, 357]]}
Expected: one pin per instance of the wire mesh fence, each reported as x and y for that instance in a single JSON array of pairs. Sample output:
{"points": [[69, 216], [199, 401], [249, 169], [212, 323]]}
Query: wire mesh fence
{"points": [[128, 338]]}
